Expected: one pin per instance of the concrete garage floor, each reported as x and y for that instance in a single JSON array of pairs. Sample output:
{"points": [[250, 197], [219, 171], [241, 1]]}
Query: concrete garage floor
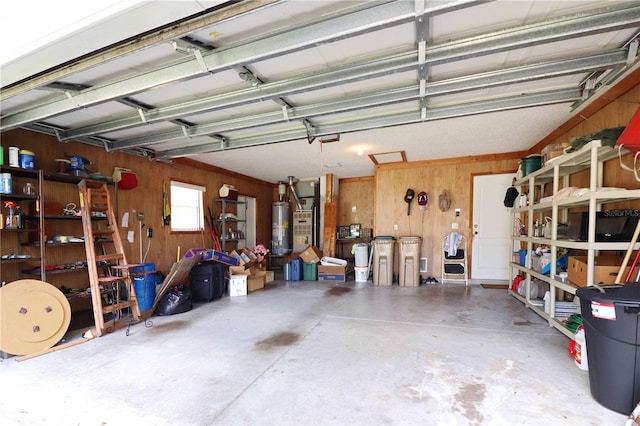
{"points": [[316, 353]]}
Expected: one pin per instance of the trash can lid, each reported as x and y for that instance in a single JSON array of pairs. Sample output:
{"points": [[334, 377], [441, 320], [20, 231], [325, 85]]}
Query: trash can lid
{"points": [[628, 293]]}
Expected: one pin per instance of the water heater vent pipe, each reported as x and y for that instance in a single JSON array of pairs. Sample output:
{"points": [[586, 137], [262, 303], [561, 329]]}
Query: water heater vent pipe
{"points": [[293, 191]]}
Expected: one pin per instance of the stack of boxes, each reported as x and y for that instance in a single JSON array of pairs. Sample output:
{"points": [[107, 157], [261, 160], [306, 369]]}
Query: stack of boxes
{"points": [[248, 276], [307, 267]]}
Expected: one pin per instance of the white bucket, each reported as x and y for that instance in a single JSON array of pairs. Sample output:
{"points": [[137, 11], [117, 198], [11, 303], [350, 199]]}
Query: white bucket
{"points": [[361, 252], [361, 273], [581, 350]]}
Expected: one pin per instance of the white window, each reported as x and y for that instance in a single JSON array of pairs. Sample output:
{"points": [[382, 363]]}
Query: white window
{"points": [[187, 207]]}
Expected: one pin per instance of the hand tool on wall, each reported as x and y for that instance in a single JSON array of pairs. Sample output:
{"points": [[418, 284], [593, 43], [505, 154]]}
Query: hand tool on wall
{"points": [[166, 206], [408, 198]]}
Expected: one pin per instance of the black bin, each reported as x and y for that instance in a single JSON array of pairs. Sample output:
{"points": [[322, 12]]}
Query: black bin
{"points": [[612, 330]]}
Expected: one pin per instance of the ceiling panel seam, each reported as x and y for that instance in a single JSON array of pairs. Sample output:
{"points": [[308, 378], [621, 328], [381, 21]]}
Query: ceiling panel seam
{"points": [[492, 105], [484, 80], [553, 30]]}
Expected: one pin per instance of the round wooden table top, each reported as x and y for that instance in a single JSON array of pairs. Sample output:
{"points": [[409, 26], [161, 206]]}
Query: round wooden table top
{"points": [[34, 316]]}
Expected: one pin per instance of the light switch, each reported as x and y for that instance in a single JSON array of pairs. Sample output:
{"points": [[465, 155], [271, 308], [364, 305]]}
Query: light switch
{"points": [[454, 225], [395, 226]]}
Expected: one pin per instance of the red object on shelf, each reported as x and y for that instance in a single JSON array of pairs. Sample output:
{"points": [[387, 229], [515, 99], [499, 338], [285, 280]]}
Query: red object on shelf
{"points": [[630, 137]]}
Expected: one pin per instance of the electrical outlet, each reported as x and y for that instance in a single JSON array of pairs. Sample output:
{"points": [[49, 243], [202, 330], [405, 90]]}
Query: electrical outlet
{"points": [[454, 225], [149, 232], [395, 226]]}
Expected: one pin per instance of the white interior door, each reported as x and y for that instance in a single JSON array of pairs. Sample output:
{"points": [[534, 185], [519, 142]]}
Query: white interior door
{"points": [[491, 234]]}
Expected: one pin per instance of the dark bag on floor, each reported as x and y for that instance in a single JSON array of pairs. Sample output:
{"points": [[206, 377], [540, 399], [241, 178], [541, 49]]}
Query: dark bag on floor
{"points": [[175, 301]]}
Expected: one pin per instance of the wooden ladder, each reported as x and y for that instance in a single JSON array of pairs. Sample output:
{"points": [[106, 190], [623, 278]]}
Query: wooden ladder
{"points": [[113, 292]]}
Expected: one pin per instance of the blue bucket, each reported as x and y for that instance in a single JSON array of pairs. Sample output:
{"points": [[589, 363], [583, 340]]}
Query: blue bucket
{"points": [[523, 257], [144, 284]]}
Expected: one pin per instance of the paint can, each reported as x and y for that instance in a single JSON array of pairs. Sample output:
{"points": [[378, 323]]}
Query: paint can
{"points": [[14, 152], [27, 159], [361, 273]]}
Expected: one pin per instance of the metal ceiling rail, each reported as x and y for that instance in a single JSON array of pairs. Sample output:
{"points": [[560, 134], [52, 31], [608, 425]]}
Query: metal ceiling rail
{"points": [[478, 107], [490, 79], [329, 30], [369, 69], [308, 82], [609, 19]]}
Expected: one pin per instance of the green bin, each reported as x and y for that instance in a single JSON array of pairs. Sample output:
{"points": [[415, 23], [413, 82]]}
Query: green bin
{"points": [[309, 271]]}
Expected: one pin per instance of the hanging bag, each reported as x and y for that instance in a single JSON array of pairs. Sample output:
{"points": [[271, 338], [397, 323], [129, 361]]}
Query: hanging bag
{"points": [[125, 178]]}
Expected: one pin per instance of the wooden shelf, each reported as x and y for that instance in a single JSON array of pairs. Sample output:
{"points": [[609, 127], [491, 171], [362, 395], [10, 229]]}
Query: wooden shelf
{"points": [[590, 158]]}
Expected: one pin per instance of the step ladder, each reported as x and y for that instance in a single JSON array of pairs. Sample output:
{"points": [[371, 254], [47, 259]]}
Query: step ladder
{"points": [[110, 276]]}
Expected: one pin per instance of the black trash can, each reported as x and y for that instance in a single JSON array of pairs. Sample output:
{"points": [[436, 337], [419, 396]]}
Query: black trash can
{"points": [[612, 330]]}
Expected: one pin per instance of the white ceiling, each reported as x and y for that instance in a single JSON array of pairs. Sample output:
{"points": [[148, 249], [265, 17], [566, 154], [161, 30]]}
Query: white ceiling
{"points": [[433, 79]]}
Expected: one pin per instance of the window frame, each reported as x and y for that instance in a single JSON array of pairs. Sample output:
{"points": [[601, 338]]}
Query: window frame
{"points": [[193, 186]]}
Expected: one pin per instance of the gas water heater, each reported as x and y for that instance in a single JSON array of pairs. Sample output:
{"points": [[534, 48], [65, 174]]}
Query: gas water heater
{"points": [[280, 228]]}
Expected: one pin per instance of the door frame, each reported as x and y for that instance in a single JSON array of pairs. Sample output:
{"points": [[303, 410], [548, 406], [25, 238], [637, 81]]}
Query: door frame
{"points": [[470, 229], [250, 219]]}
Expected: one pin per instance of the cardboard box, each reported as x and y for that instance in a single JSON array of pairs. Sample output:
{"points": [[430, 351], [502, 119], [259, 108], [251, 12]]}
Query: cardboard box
{"points": [[239, 270], [208, 254], [332, 273], [223, 258], [311, 255], [238, 285], [269, 276], [244, 258], [256, 282], [605, 269]]}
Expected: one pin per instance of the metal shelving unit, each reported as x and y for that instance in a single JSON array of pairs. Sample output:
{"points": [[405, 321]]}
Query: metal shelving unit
{"points": [[16, 255], [230, 231]]}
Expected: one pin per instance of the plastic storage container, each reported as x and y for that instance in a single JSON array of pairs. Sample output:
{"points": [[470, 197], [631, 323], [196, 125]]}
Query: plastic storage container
{"points": [[296, 269], [611, 324], [531, 164], [26, 159], [309, 271], [361, 253], [383, 260]]}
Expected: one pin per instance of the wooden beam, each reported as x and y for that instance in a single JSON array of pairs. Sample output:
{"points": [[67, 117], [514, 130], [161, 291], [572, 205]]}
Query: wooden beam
{"points": [[53, 349]]}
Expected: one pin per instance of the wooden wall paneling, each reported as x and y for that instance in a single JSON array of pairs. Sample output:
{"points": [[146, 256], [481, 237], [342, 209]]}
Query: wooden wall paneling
{"points": [[432, 177], [356, 192], [147, 197]]}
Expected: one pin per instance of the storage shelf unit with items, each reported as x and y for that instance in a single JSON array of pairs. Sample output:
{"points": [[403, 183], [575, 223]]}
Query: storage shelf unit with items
{"points": [[64, 245], [232, 224], [48, 244], [21, 235], [552, 202]]}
